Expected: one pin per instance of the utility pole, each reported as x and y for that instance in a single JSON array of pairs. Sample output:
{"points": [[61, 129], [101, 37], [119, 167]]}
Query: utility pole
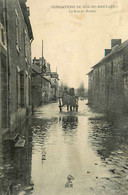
{"points": [[42, 54]]}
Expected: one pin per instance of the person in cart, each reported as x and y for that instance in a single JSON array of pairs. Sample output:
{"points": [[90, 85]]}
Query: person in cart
{"points": [[68, 98], [72, 100], [72, 92], [65, 98]]}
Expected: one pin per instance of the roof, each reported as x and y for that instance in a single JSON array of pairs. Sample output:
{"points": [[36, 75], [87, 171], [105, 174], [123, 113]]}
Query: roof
{"points": [[115, 50], [48, 78], [26, 18], [38, 70], [55, 75], [89, 72]]}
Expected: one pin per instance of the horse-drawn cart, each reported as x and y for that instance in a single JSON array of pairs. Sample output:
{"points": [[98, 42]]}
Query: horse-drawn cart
{"points": [[71, 102]]}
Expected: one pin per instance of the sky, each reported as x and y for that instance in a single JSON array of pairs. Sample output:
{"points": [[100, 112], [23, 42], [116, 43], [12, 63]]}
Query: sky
{"points": [[74, 42]]}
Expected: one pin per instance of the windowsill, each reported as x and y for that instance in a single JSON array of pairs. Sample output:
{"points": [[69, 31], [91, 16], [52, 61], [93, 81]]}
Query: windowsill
{"points": [[20, 108], [17, 48], [26, 60], [3, 45]]}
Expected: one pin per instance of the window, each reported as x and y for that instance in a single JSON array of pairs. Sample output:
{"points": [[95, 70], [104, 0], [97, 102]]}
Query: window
{"points": [[25, 46], [29, 90], [22, 89], [18, 87], [4, 91], [2, 12], [2, 36], [18, 29], [111, 68]]}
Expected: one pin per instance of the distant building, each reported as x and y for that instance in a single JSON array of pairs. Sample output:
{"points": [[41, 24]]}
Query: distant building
{"points": [[40, 84], [44, 82], [54, 86], [54, 78], [40, 62], [108, 80]]}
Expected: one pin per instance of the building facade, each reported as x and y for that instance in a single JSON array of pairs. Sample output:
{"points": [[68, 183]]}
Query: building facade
{"points": [[15, 67], [54, 86], [19, 34], [3, 82], [3, 71], [45, 83], [40, 84], [108, 80]]}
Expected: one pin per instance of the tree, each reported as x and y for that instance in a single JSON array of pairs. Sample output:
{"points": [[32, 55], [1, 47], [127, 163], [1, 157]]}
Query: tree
{"points": [[81, 91], [61, 88]]}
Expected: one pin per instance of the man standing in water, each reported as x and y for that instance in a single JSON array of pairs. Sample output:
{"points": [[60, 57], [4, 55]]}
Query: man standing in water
{"points": [[65, 98], [72, 100]]}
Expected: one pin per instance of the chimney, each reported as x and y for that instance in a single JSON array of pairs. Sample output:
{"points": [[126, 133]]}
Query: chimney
{"points": [[115, 42], [107, 51], [28, 11], [34, 60], [42, 53], [48, 67]]}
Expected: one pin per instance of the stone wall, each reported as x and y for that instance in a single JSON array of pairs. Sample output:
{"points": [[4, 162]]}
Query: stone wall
{"points": [[19, 62], [107, 90]]}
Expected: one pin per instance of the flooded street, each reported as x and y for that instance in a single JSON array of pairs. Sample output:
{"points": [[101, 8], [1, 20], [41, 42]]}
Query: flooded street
{"points": [[67, 153]]}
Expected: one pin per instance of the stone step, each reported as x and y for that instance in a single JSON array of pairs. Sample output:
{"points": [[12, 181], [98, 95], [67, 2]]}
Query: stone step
{"points": [[20, 143]]}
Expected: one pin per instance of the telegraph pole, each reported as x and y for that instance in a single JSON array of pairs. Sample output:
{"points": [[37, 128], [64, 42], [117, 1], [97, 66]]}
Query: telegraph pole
{"points": [[42, 54]]}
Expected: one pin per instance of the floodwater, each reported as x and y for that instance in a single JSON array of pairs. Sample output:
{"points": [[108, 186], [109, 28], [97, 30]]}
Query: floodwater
{"points": [[67, 153]]}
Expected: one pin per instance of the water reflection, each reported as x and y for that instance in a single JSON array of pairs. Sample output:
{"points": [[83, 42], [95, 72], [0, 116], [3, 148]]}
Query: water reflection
{"points": [[69, 127], [102, 139], [111, 143], [41, 135], [69, 122], [59, 146], [106, 137]]}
